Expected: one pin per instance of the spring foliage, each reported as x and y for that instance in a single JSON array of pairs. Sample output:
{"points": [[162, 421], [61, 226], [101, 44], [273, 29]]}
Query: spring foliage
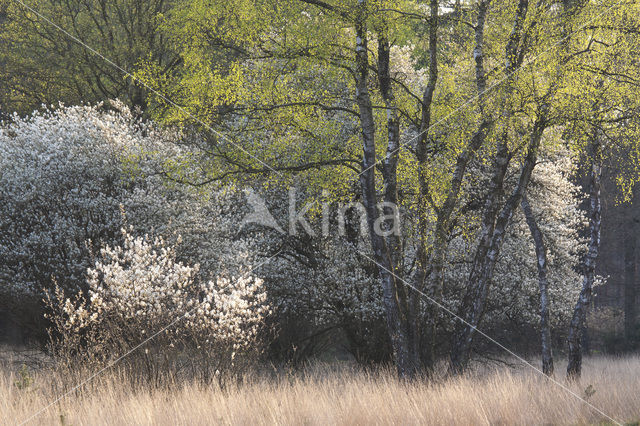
{"points": [[68, 172], [463, 107]]}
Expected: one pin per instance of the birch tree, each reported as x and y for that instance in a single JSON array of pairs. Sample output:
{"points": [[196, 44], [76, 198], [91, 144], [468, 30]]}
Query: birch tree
{"points": [[541, 254], [313, 89]]}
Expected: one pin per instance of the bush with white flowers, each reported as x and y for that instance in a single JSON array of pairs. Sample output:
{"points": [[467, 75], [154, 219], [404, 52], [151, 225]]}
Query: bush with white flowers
{"points": [[139, 291], [65, 175], [513, 304]]}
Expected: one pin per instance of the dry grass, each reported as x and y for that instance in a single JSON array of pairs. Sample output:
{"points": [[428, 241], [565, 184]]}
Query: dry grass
{"points": [[501, 396]]}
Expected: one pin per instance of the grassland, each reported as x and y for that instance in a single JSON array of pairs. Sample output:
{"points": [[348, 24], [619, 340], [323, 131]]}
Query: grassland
{"points": [[488, 396]]}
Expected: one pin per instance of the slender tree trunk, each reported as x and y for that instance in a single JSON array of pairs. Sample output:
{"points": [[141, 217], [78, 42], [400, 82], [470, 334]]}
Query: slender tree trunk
{"points": [[394, 316], [423, 259], [574, 341], [630, 283], [390, 181], [543, 283], [492, 237]]}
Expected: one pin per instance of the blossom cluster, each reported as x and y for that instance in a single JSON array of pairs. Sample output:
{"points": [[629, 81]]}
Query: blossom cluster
{"points": [[139, 289], [67, 174], [63, 177]]}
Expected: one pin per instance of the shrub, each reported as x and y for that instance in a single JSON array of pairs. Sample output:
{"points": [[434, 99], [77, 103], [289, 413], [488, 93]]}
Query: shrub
{"points": [[65, 175], [139, 291]]}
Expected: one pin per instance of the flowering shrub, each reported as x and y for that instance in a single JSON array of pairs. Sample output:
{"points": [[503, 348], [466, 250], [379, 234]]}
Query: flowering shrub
{"points": [[138, 291], [333, 290], [65, 175]]}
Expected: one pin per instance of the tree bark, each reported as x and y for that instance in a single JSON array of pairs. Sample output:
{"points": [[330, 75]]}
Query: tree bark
{"points": [[492, 237], [543, 283], [495, 220], [574, 340], [630, 284], [393, 243], [422, 254], [394, 316], [431, 264]]}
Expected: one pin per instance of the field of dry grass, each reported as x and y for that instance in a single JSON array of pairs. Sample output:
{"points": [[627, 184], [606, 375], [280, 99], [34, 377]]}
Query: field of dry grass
{"points": [[492, 396]]}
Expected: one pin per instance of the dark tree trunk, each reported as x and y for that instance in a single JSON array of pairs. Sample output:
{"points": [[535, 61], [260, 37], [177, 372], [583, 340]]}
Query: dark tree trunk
{"points": [[430, 264], [423, 259], [392, 241], [574, 340], [543, 283], [630, 285], [384, 254], [492, 237]]}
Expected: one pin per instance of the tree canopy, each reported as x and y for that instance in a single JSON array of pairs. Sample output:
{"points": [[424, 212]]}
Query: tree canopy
{"points": [[445, 109]]}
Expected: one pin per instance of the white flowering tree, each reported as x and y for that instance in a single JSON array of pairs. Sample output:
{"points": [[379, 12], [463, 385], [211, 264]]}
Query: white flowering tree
{"points": [[327, 295], [555, 200], [66, 175], [62, 180], [513, 305]]}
